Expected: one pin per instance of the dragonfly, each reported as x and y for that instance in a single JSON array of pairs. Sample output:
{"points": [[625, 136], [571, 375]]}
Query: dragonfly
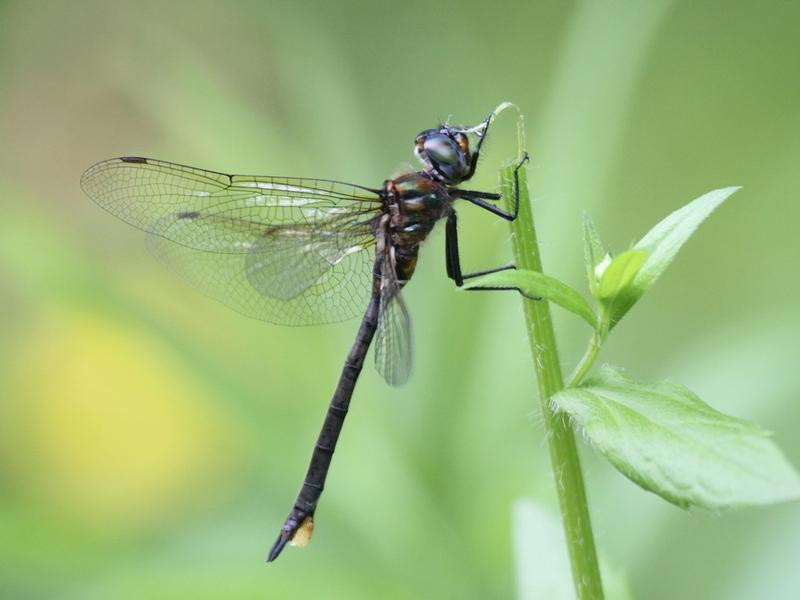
{"points": [[300, 251]]}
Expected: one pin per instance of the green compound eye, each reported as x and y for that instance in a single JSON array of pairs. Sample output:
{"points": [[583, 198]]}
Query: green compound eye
{"points": [[441, 149], [445, 156]]}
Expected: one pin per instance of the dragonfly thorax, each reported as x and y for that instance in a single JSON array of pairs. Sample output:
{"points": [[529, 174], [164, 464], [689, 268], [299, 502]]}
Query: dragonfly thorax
{"points": [[415, 202]]}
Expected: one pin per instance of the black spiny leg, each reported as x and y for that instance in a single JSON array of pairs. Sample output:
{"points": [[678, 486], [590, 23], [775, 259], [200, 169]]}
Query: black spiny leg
{"points": [[473, 164], [453, 262], [452, 257], [480, 198]]}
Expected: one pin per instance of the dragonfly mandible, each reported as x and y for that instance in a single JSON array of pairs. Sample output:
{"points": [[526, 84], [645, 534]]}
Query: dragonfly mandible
{"points": [[294, 251]]}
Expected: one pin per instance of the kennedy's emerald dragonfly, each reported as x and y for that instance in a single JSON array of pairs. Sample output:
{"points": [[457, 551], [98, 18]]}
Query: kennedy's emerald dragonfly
{"points": [[298, 251]]}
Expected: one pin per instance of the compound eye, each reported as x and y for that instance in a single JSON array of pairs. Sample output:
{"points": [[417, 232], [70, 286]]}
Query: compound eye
{"points": [[441, 149]]}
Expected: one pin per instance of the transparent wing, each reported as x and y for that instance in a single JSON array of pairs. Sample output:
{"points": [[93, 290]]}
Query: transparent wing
{"points": [[282, 249], [315, 291], [393, 338]]}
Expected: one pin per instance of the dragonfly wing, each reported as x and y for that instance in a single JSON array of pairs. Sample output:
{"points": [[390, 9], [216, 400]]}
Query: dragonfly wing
{"points": [[289, 259], [393, 355], [151, 194], [312, 294], [281, 249]]}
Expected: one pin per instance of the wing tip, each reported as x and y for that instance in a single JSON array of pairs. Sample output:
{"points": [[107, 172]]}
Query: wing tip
{"points": [[87, 175]]}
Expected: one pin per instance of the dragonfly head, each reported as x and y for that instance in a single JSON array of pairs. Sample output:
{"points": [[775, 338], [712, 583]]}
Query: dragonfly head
{"points": [[445, 153]]}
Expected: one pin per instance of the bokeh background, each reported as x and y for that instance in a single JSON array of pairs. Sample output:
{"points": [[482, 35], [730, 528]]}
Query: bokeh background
{"points": [[152, 441]]}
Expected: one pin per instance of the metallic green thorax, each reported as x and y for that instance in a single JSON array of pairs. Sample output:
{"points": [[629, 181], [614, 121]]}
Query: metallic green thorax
{"points": [[415, 201]]}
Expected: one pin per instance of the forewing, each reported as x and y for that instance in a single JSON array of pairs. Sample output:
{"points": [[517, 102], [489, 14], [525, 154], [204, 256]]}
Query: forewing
{"points": [[393, 338], [282, 249]]}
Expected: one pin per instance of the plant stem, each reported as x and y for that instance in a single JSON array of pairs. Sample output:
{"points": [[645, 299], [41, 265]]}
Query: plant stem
{"points": [[559, 433], [587, 360]]}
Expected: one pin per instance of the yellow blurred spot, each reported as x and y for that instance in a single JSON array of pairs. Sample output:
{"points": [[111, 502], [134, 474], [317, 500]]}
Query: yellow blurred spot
{"points": [[303, 534], [106, 423]]}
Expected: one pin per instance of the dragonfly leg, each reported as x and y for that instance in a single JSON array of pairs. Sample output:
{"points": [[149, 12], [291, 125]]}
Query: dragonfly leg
{"points": [[453, 262], [480, 198], [473, 164]]}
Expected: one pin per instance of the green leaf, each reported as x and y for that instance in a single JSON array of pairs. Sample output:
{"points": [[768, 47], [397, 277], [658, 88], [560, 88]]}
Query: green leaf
{"points": [[537, 285], [615, 288], [594, 252], [668, 441], [619, 274], [662, 243]]}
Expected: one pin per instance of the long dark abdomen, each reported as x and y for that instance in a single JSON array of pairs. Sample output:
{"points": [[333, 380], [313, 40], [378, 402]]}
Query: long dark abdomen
{"points": [[310, 492]]}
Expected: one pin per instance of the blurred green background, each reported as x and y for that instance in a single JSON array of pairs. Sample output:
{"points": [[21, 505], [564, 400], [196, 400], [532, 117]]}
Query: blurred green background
{"points": [[152, 441]]}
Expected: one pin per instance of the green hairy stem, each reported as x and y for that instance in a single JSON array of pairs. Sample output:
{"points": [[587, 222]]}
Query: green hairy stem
{"points": [[559, 433]]}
